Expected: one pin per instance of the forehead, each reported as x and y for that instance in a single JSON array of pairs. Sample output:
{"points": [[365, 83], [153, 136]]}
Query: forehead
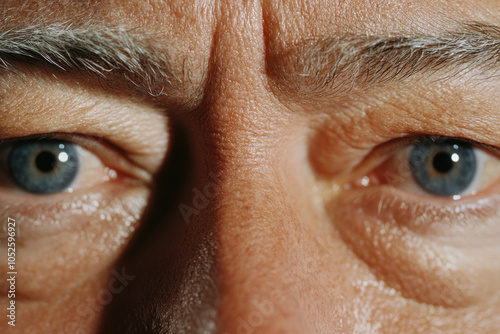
{"points": [[290, 18], [189, 29]]}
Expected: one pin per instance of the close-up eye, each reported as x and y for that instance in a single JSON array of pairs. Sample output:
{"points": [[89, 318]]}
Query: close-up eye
{"points": [[438, 194], [49, 165], [76, 177], [43, 167], [71, 185], [443, 167]]}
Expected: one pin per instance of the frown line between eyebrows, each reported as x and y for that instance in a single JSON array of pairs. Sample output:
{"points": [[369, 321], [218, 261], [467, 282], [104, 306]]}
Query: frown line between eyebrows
{"points": [[337, 64], [100, 51], [322, 65]]}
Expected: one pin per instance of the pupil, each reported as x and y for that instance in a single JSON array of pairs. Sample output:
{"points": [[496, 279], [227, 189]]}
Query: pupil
{"points": [[442, 162], [45, 161]]}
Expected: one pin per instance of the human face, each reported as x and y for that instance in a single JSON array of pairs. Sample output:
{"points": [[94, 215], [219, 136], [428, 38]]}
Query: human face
{"points": [[249, 166]]}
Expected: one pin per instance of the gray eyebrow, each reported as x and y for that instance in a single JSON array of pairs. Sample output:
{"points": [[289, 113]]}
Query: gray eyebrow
{"points": [[338, 64], [100, 51], [325, 64]]}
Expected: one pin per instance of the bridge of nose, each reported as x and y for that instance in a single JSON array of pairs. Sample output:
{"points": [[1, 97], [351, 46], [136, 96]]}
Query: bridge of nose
{"points": [[255, 192]]}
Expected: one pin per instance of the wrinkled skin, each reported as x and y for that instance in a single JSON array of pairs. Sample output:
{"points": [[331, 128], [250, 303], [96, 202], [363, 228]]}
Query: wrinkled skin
{"points": [[280, 244]]}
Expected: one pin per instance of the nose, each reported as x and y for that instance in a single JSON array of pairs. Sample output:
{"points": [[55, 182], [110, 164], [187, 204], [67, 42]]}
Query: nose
{"points": [[250, 159], [246, 190], [257, 218], [241, 251]]}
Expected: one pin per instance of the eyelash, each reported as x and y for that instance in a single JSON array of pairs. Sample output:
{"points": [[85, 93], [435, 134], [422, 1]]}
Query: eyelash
{"points": [[372, 172], [114, 160], [115, 165]]}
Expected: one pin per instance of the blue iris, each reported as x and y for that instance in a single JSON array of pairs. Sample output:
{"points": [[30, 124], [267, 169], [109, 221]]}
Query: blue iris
{"points": [[43, 166], [444, 168]]}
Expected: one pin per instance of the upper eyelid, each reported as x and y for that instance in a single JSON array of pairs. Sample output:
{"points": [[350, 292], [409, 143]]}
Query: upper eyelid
{"points": [[136, 127], [109, 154], [437, 139]]}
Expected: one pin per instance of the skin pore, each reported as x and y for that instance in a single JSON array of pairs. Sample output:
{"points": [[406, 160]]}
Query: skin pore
{"points": [[249, 196]]}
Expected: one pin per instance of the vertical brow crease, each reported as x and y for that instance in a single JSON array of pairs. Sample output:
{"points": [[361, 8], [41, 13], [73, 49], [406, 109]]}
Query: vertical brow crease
{"points": [[102, 51]]}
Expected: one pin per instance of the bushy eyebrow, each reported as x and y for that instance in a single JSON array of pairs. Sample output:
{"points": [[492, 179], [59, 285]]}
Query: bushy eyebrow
{"points": [[337, 64], [102, 51], [325, 65]]}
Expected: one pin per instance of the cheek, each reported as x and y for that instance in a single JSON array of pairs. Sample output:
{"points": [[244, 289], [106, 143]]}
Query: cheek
{"points": [[401, 243], [60, 251], [76, 311]]}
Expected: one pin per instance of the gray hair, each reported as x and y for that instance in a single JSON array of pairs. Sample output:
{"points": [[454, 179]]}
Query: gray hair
{"points": [[100, 50], [336, 64]]}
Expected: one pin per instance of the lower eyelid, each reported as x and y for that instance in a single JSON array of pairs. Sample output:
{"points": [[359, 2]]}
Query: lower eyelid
{"points": [[83, 231], [43, 216], [426, 215], [401, 238]]}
